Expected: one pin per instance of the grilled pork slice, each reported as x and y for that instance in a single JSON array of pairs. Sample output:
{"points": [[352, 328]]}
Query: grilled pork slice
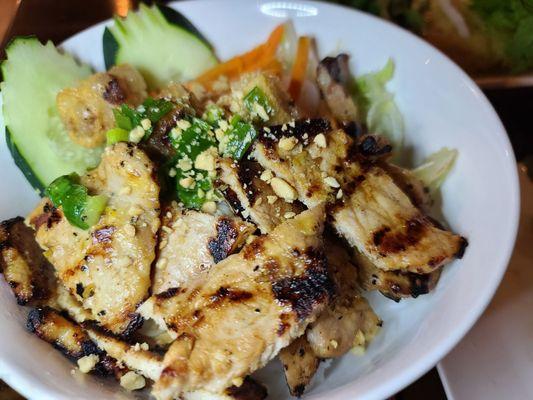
{"points": [[248, 191], [22, 262], [334, 331], [300, 364], [338, 327], [382, 223], [107, 267], [61, 332], [191, 242], [134, 357], [394, 284], [333, 78], [412, 186], [252, 305], [148, 364], [345, 311], [86, 110], [367, 207]]}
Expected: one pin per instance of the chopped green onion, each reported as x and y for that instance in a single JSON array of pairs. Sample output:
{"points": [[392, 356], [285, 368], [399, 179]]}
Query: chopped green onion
{"points": [[257, 104], [189, 143], [239, 138], [213, 114], [155, 109], [151, 110], [194, 197], [193, 140], [80, 209], [116, 135]]}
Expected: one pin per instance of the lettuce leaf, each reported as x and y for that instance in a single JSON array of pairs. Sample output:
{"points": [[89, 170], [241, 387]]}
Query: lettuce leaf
{"points": [[434, 170], [377, 105], [511, 23]]}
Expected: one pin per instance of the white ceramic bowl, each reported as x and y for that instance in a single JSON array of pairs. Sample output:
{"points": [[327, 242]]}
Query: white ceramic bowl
{"points": [[442, 107]]}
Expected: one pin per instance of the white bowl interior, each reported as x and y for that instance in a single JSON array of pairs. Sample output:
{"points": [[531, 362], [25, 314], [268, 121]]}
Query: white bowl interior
{"points": [[441, 106]]}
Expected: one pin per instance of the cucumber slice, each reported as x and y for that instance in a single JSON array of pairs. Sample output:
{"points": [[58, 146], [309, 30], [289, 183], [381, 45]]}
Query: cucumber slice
{"points": [[33, 75], [161, 43]]}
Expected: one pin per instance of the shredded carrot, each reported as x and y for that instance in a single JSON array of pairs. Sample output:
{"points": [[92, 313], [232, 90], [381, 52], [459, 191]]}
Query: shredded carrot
{"points": [[299, 68], [262, 57]]}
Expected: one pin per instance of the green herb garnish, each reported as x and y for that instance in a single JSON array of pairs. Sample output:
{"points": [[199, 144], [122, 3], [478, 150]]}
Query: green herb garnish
{"points": [[80, 209]]}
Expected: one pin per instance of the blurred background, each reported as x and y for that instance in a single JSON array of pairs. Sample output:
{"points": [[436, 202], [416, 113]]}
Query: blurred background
{"points": [[491, 39]]}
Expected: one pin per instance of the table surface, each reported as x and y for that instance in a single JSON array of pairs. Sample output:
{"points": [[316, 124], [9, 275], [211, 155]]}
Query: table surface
{"points": [[58, 19]]}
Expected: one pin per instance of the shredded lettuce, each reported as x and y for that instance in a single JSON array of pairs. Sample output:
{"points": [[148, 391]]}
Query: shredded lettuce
{"points": [[377, 105], [435, 168], [511, 23]]}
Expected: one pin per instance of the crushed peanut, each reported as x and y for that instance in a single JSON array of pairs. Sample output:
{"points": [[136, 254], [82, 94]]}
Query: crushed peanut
{"points": [[136, 134], [132, 381], [272, 199], [146, 124], [320, 140], [289, 215], [339, 194], [287, 143], [209, 207], [206, 160], [87, 363], [187, 182], [237, 381], [266, 175], [283, 189], [183, 124], [185, 164], [332, 182]]}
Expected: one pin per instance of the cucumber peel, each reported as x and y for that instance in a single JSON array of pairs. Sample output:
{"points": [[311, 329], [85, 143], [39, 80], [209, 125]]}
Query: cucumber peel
{"points": [[161, 43]]}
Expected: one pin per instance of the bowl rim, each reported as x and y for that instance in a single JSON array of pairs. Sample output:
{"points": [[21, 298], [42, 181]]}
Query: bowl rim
{"points": [[13, 375]]}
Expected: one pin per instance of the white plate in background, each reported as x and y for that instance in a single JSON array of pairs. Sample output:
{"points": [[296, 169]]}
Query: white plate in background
{"points": [[441, 106]]}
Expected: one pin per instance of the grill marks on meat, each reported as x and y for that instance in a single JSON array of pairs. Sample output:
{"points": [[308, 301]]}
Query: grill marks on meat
{"points": [[219, 342], [61, 332], [228, 237], [158, 145], [304, 292], [107, 267], [300, 365], [28, 273], [345, 314], [250, 196], [382, 223], [334, 332], [394, 284], [374, 215], [191, 243]]}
